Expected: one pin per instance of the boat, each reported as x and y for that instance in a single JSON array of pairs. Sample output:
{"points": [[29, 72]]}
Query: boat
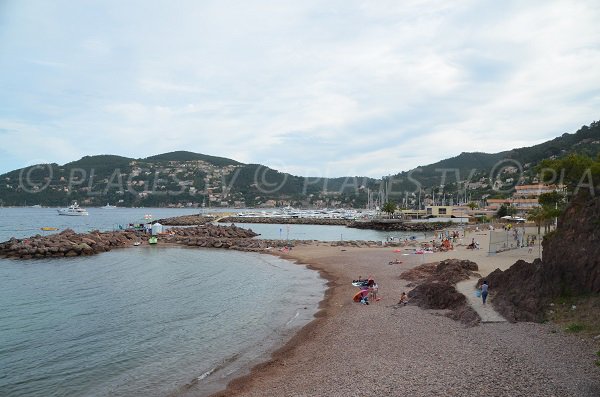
{"points": [[36, 206], [47, 228], [108, 207], [73, 210]]}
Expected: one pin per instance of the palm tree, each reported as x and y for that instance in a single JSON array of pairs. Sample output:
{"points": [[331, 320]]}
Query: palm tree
{"points": [[389, 208], [538, 216]]}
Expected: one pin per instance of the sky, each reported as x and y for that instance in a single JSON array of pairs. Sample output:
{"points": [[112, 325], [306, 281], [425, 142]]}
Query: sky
{"points": [[313, 88]]}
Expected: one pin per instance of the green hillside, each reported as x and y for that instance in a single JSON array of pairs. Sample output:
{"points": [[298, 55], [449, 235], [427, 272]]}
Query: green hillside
{"points": [[474, 167], [187, 178], [190, 156]]}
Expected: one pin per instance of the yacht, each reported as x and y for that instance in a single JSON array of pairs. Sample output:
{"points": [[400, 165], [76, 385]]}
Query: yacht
{"points": [[108, 207], [73, 210]]}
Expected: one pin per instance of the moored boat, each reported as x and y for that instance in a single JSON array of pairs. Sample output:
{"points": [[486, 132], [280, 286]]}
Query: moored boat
{"points": [[73, 210]]}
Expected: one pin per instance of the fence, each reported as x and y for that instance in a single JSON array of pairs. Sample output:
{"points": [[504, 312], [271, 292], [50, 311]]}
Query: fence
{"points": [[504, 240]]}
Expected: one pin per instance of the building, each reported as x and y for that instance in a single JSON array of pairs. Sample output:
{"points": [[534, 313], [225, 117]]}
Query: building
{"points": [[437, 211], [522, 204], [534, 191]]}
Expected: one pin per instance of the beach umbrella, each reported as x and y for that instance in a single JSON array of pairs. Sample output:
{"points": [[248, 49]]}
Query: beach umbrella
{"points": [[360, 294]]}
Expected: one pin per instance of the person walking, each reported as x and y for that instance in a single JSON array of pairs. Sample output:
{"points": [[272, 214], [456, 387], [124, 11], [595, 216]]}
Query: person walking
{"points": [[484, 291]]}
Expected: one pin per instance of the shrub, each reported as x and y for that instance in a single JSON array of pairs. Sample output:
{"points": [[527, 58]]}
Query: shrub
{"points": [[575, 327]]}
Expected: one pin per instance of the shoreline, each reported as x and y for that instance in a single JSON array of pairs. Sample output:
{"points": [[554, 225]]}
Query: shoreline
{"points": [[311, 354], [238, 384]]}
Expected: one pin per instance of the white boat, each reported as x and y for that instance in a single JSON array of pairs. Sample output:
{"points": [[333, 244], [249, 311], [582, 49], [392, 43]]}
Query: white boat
{"points": [[73, 210], [108, 207]]}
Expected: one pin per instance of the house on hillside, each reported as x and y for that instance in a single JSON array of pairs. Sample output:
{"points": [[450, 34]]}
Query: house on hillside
{"points": [[524, 199], [534, 191]]}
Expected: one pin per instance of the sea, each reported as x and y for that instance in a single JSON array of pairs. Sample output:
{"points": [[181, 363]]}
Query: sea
{"points": [[147, 321]]}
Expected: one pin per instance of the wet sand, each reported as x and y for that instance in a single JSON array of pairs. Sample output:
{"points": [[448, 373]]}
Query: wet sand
{"points": [[386, 349]]}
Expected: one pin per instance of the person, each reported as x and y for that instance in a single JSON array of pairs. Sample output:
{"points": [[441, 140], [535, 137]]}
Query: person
{"points": [[373, 289], [484, 291], [472, 245], [530, 244], [403, 299], [365, 299]]}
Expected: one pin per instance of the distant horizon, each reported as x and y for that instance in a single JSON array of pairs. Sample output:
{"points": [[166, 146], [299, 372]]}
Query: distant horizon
{"points": [[312, 89]]}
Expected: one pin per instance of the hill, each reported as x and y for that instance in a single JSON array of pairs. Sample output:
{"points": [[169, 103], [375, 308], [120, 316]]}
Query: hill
{"points": [[178, 178], [185, 178], [496, 174], [190, 156]]}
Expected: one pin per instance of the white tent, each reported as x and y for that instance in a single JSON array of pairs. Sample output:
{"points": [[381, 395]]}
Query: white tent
{"points": [[157, 228]]}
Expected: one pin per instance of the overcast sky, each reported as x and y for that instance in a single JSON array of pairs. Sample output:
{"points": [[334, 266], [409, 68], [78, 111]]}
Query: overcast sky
{"points": [[327, 88]]}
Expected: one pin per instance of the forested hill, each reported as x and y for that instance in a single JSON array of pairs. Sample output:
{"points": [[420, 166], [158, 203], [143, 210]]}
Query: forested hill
{"points": [[175, 178], [187, 178], [478, 168], [190, 156]]}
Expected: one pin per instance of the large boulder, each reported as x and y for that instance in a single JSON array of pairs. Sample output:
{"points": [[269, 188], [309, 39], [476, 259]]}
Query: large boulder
{"points": [[570, 266], [450, 270]]}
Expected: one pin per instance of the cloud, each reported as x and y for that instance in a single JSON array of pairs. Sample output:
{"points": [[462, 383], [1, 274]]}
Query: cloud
{"points": [[335, 89]]}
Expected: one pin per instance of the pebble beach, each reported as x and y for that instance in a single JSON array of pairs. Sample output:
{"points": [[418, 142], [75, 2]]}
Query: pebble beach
{"points": [[385, 349]]}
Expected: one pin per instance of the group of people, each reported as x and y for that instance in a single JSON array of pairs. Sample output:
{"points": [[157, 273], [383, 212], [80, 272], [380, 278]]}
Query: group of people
{"points": [[369, 290]]}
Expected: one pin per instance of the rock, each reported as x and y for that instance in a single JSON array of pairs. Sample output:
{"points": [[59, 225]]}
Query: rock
{"points": [[398, 225], [571, 266], [436, 295]]}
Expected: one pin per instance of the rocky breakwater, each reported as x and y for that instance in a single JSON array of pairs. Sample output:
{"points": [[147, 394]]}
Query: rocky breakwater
{"points": [[225, 237], [241, 239], [209, 236], [186, 220], [570, 266], [286, 221], [66, 244], [399, 225]]}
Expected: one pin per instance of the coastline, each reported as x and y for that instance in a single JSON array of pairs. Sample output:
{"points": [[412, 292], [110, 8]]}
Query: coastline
{"points": [[384, 349]]}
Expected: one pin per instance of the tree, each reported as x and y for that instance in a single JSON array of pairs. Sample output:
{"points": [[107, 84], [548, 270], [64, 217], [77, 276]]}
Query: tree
{"points": [[574, 171], [472, 205], [537, 216], [505, 210], [552, 199], [389, 208], [502, 211]]}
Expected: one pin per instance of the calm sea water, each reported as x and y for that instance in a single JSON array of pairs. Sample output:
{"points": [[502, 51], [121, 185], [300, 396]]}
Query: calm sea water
{"points": [[140, 321], [144, 321], [25, 222], [147, 321]]}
